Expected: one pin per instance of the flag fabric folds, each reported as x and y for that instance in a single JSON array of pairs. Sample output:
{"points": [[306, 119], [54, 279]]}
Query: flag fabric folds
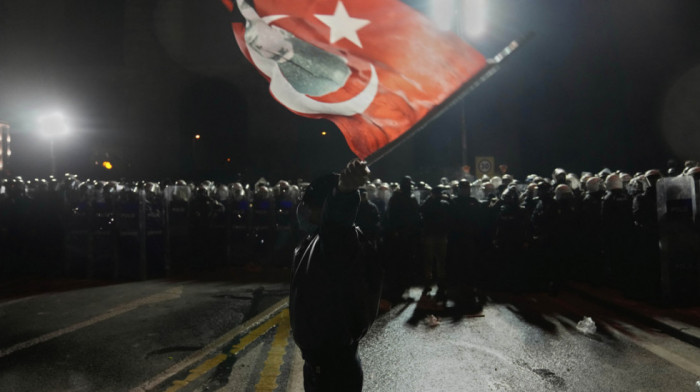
{"points": [[373, 67]]}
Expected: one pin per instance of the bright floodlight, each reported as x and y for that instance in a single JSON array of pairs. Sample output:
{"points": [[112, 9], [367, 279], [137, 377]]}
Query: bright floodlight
{"points": [[442, 14], [53, 124], [473, 18]]}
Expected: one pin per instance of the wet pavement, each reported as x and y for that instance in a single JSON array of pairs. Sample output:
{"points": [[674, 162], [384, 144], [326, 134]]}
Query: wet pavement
{"points": [[523, 342], [515, 343]]}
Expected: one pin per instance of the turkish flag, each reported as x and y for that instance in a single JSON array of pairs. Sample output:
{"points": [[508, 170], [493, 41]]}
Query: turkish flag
{"points": [[373, 67]]}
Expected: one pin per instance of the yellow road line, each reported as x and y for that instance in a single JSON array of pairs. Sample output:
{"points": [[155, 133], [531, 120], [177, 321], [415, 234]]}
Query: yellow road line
{"points": [[249, 338], [256, 333], [275, 357], [211, 347]]}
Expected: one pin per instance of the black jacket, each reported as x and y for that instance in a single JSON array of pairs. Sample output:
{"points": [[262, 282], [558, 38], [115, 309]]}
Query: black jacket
{"points": [[336, 281]]}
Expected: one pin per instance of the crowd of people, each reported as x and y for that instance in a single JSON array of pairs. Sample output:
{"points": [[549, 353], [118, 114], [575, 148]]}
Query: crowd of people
{"points": [[529, 234]]}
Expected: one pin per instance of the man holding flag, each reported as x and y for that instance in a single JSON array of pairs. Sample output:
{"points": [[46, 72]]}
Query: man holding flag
{"points": [[379, 71]]}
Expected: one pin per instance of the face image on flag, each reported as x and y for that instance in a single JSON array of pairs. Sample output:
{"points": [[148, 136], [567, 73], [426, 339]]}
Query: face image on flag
{"points": [[373, 67]]}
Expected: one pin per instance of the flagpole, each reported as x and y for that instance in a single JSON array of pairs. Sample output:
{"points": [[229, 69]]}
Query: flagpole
{"points": [[492, 66]]}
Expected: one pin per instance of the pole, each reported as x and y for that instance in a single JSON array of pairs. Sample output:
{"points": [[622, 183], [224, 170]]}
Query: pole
{"points": [[53, 158], [492, 66], [464, 136]]}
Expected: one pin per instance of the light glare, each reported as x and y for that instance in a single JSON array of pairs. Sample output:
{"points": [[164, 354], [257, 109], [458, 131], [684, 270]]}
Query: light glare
{"points": [[53, 124], [473, 18], [442, 14]]}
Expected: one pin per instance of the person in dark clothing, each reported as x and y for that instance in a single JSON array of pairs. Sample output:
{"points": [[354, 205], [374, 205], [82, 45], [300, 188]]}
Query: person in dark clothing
{"points": [[542, 225], [511, 239], [203, 210], [336, 282], [463, 243], [368, 217], [402, 239], [591, 251], [436, 217], [618, 224], [565, 232], [528, 200], [645, 277]]}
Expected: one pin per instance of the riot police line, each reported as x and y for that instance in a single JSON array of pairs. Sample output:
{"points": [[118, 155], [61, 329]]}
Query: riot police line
{"points": [[124, 231], [638, 233]]}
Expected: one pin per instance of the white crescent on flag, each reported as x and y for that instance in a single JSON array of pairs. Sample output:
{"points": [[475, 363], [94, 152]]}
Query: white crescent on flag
{"points": [[283, 90]]}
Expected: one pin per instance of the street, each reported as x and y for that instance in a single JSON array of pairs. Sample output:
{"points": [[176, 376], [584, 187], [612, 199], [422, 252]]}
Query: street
{"points": [[219, 335]]}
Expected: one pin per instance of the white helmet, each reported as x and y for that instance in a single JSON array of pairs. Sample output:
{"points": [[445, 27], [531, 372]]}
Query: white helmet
{"points": [[593, 184], [613, 181], [222, 192], [563, 192], [652, 173], [693, 172], [638, 184], [572, 181], [584, 180], [625, 178]]}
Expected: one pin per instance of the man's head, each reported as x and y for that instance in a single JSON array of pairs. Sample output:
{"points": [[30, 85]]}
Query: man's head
{"points": [[511, 196], [309, 210], [406, 184]]}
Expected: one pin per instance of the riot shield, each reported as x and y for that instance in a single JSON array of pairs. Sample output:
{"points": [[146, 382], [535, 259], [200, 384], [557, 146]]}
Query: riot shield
{"points": [[678, 239], [128, 217], [177, 239], [78, 218], [155, 234]]}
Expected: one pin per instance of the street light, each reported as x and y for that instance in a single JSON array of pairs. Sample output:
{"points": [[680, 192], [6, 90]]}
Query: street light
{"points": [[52, 126], [197, 137]]}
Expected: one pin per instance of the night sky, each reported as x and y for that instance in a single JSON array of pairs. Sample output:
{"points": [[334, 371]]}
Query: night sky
{"points": [[602, 84]]}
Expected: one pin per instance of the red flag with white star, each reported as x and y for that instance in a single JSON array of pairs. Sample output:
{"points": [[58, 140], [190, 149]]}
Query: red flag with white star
{"points": [[373, 67]]}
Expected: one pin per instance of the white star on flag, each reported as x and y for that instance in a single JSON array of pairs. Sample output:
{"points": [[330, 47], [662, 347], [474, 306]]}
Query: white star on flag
{"points": [[342, 25]]}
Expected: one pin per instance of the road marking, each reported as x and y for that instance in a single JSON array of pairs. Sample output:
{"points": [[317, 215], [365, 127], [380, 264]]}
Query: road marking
{"points": [[206, 366], [166, 295], [18, 300], [296, 372], [638, 339], [215, 345], [243, 370], [641, 339], [275, 357]]}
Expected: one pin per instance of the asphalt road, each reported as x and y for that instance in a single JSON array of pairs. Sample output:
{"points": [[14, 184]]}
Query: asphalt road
{"points": [[112, 338], [207, 336]]}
